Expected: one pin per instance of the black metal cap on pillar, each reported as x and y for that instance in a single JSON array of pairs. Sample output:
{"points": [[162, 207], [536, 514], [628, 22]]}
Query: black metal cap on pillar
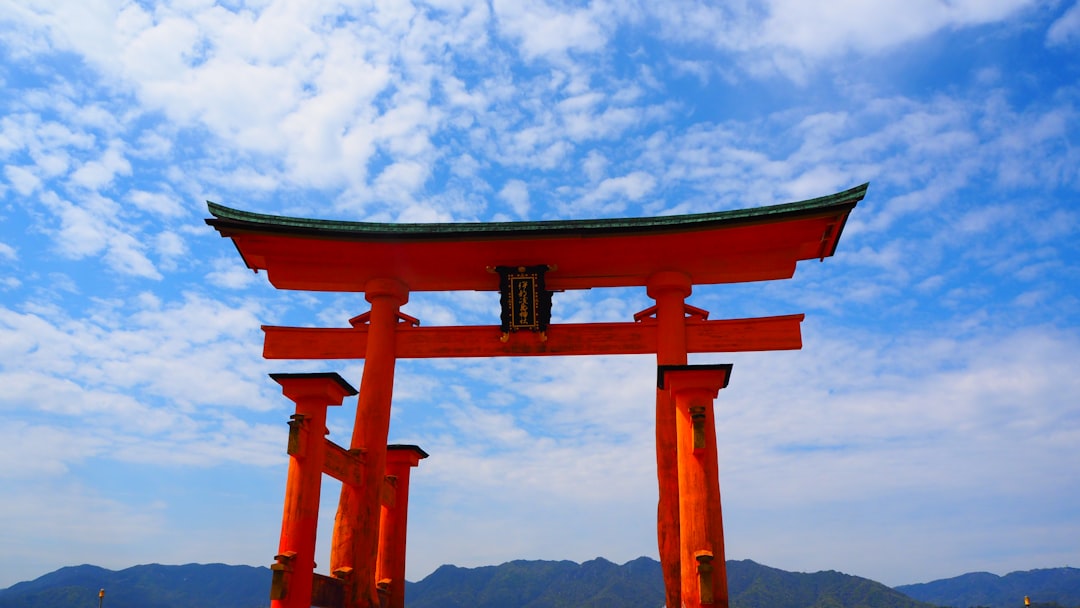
{"points": [[408, 447], [282, 378], [662, 371]]}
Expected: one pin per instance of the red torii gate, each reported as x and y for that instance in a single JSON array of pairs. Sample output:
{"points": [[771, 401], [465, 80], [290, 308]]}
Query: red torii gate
{"points": [[527, 262]]}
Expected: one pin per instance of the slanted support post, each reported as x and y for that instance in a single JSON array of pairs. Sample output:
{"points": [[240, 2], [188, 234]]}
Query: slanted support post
{"points": [[701, 526], [400, 460], [669, 290], [294, 569], [356, 526]]}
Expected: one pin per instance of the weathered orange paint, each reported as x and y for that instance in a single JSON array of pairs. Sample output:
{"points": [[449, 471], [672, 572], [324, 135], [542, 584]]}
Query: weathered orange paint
{"points": [[356, 526], [400, 459], [701, 528], [312, 394], [631, 338], [669, 290]]}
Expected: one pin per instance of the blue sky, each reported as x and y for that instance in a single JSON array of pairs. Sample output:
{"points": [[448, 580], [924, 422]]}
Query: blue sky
{"points": [[927, 428]]}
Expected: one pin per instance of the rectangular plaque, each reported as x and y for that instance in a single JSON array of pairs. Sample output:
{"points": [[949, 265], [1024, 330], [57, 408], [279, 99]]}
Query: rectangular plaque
{"points": [[526, 303]]}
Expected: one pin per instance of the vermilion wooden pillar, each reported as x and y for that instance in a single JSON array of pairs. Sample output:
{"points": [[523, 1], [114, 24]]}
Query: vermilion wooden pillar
{"points": [[356, 526], [701, 527], [295, 567], [400, 459], [669, 290]]}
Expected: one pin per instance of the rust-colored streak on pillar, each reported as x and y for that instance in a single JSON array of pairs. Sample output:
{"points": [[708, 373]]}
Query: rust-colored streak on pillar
{"points": [[356, 527], [703, 571], [669, 290], [400, 459], [295, 567]]}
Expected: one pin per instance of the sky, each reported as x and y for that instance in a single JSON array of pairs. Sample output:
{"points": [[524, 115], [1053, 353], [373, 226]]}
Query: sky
{"points": [[928, 427]]}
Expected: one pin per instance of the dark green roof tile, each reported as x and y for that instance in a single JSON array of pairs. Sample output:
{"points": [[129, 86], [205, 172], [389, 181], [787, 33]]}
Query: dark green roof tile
{"points": [[226, 218]]}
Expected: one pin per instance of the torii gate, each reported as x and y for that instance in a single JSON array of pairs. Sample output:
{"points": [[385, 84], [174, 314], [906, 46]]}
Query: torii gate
{"points": [[527, 262]]}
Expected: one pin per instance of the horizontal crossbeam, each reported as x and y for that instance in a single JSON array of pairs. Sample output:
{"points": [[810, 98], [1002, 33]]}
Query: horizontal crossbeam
{"points": [[327, 592], [343, 465], [727, 335]]}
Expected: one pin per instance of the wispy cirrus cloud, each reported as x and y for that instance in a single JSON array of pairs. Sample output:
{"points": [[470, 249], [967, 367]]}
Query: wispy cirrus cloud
{"points": [[80, 371]]}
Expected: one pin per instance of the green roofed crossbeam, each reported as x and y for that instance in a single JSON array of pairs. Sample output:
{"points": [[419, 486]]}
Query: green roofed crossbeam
{"points": [[367, 230], [758, 243]]}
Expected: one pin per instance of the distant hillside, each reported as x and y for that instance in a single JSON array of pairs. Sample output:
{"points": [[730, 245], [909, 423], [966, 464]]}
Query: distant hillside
{"points": [[544, 584], [752, 585], [150, 586], [1048, 586], [517, 584], [638, 584]]}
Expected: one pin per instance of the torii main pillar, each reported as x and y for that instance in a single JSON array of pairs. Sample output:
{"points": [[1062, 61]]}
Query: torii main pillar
{"points": [[669, 290], [703, 572], [356, 525]]}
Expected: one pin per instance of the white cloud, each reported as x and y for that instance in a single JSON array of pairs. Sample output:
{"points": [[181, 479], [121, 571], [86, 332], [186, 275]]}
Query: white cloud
{"points": [[701, 70], [1066, 30], [35, 451], [397, 183], [152, 145], [22, 179], [171, 247], [612, 194], [188, 359], [584, 122], [159, 203], [796, 39], [126, 254], [80, 233], [595, 165], [308, 94], [230, 275], [516, 194], [545, 32], [88, 231], [818, 30]]}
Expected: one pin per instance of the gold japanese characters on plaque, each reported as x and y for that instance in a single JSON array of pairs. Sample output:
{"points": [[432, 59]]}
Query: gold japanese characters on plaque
{"points": [[526, 302]]}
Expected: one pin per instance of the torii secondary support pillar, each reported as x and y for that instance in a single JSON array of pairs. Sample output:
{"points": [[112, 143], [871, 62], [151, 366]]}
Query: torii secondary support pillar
{"points": [[400, 459], [669, 290], [295, 567], [693, 389], [356, 526]]}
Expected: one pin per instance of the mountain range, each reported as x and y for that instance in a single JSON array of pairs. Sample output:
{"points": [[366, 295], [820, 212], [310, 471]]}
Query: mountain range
{"points": [[1046, 587], [546, 584]]}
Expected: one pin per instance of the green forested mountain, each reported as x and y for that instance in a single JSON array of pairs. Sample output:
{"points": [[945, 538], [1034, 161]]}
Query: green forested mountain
{"points": [[149, 586], [542, 584], [1045, 587], [639, 584], [752, 585], [545, 584]]}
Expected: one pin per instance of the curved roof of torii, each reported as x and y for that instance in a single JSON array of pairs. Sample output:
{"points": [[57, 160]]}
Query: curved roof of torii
{"points": [[756, 244]]}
